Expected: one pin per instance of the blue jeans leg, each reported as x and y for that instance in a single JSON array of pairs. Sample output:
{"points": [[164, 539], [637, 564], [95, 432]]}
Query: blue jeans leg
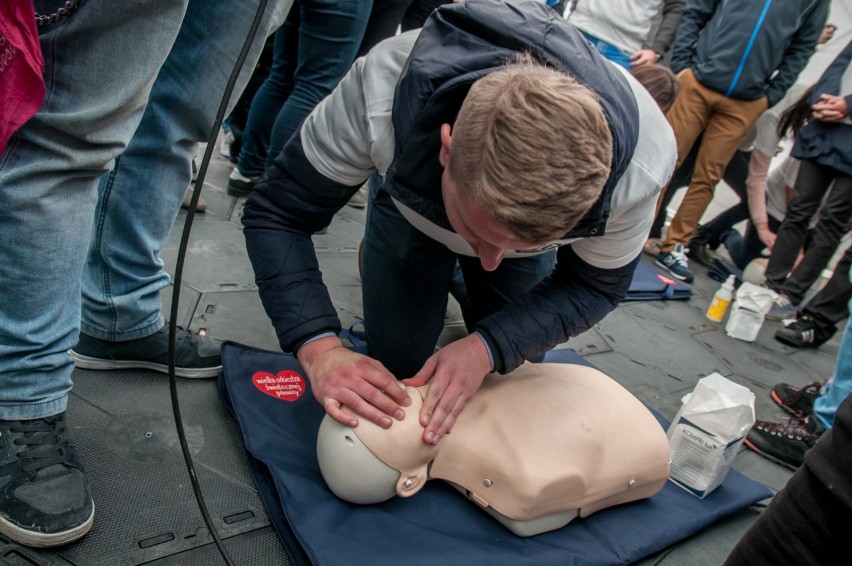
{"points": [[97, 81], [839, 387], [140, 198], [313, 50]]}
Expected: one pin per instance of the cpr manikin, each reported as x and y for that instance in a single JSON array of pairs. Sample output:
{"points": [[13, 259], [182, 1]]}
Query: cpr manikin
{"points": [[534, 448]]}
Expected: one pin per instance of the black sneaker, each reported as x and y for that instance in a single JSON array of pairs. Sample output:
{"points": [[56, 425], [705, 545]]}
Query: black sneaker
{"points": [[798, 401], [195, 355], [804, 332], [240, 185], [699, 249], [784, 443], [44, 493]]}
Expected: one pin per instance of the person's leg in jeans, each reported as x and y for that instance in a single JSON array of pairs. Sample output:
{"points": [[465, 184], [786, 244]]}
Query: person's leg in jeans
{"points": [[405, 284], [140, 198], [839, 387], [313, 50], [490, 291], [330, 32], [97, 81], [744, 249], [269, 99], [812, 183]]}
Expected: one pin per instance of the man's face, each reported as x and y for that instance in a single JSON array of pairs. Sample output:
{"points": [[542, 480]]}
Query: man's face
{"points": [[489, 238]]}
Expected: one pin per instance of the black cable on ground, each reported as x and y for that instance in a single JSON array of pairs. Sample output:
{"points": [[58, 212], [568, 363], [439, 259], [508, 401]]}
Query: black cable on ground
{"points": [[184, 241]]}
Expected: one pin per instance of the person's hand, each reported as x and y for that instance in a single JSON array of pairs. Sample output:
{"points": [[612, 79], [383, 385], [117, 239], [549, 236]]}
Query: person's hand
{"points": [[340, 376], [766, 235], [454, 373], [830, 108], [643, 57], [827, 33]]}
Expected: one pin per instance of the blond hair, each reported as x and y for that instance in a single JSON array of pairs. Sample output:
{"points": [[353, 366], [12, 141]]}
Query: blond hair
{"points": [[533, 145]]}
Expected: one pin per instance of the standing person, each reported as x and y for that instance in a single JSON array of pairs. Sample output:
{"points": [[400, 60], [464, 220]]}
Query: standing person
{"points": [[805, 523], [621, 29], [494, 162], [815, 324], [824, 148], [49, 175], [313, 50], [734, 60]]}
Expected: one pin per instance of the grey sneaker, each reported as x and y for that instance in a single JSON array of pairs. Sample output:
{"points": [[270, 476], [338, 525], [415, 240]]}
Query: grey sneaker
{"points": [[676, 263], [195, 355], [782, 308], [44, 494]]}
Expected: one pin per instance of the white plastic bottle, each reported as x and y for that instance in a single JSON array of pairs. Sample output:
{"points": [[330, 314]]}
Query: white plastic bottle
{"points": [[721, 300]]}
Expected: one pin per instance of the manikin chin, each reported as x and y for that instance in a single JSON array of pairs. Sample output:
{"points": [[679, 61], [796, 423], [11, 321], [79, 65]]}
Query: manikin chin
{"points": [[536, 449]]}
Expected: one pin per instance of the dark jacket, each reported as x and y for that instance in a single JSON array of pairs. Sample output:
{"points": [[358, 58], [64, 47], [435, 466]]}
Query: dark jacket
{"points": [[829, 143], [294, 200], [735, 47]]}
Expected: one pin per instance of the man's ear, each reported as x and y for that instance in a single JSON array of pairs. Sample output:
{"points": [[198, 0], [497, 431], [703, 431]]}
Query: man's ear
{"points": [[446, 139]]}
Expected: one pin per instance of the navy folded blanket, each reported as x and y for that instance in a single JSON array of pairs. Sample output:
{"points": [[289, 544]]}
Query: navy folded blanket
{"points": [[279, 418], [648, 284]]}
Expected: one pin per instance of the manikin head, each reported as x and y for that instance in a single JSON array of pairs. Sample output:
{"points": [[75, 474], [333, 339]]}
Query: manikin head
{"points": [[356, 473]]}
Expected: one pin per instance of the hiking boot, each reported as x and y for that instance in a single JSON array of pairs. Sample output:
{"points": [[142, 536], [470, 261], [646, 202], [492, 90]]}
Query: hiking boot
{"points": [[676, 263], [240, 185], [797, 401], [195, 355], [44, 493], [784, 443], [782, 308], [804, 332]]}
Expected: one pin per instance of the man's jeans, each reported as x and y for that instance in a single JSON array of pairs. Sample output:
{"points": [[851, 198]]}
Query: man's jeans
{"points": [[141, 197], [407, 277], [100, 66], [838, 387]]}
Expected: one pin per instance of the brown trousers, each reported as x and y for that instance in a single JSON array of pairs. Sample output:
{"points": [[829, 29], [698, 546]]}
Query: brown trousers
{"points": [[724, 122]]}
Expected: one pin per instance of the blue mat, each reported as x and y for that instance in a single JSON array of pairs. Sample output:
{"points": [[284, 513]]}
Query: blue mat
{"points": [[648, 284], [279, 420]]}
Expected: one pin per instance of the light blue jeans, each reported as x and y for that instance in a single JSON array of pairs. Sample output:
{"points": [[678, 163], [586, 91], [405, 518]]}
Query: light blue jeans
{"points": [[609, 51], [141, 197], [100, 66], [839, 387]]}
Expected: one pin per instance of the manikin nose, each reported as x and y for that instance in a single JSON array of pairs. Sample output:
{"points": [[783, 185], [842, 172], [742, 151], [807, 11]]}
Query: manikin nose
{"points": [[489, 256]]}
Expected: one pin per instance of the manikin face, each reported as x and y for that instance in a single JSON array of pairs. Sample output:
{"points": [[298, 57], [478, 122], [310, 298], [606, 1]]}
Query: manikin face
{"points": [[471, 220]]}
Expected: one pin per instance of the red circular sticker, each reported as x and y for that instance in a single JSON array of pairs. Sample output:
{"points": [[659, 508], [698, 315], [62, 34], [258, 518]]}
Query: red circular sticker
{"points": [[287, 385]]}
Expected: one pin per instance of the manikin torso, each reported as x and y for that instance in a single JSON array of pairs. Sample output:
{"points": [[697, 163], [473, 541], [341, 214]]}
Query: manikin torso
{"points": [[535, 448]]}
